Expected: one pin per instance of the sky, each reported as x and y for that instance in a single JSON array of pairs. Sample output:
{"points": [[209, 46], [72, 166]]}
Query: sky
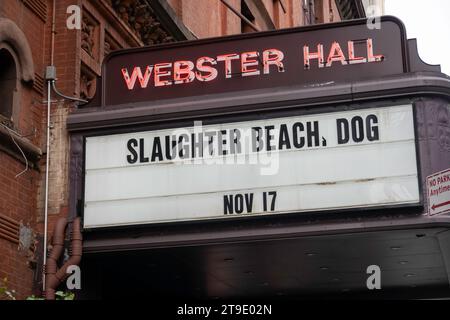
{"points": [[429, 22]]}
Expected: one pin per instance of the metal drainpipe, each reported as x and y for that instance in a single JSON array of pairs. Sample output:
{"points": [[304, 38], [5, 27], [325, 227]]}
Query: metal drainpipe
{"points": [[56, 276], [57, 249], [51, 84], [49, 90], [50, 77], [52, 55]]}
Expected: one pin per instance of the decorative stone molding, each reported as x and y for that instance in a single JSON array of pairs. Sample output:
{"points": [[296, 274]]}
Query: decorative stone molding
{"points": [[140, 17], [90, 36], [433, 122], [75, 172], [443, 127], [110, 44], [87, 83], [11, 34]]}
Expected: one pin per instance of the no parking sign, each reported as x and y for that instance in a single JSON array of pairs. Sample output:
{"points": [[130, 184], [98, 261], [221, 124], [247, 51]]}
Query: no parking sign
{"points": [[438, 189]]}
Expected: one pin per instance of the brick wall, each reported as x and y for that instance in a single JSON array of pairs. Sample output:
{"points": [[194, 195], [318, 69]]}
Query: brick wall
{"points": [[18, 202], [203, 17], [206, 18], [18, 196], [22, 199]]}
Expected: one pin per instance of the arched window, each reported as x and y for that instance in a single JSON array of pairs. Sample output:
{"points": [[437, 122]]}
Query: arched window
{"points": [[8, 84], [16, 69]]}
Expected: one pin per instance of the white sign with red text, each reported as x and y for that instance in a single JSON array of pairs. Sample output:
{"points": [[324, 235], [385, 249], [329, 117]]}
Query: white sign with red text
{"points": [[438, 189]]}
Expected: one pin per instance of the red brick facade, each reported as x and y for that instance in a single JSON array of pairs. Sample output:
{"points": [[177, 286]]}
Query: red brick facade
{"points": [[77, 56]]}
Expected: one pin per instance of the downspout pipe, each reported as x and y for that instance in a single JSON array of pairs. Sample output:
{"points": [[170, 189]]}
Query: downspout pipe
{"points": [[51, 80], [47, 166], [54, 275], [49, 89]]}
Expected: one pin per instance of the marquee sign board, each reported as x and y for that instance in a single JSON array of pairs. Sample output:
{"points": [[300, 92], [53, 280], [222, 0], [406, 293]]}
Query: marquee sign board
{"points": [[341, 160], [307, 56]]}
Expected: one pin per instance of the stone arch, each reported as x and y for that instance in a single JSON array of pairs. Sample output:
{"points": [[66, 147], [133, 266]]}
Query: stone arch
{"points": [[11, 34]]}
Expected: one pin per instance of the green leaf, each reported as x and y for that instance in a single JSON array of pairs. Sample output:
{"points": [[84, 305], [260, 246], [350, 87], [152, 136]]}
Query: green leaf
{"points": [[33, 297], [60, 295]]}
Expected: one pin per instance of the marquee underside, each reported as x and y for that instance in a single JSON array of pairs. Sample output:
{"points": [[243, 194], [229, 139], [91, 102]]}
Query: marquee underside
{"points": [[412, 263]]}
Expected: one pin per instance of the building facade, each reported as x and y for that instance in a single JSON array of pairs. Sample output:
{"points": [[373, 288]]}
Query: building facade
{"points": [[348, 196], [38, 33], [358, 75]]}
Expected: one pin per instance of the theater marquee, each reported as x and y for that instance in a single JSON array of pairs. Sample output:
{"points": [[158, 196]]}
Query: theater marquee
{"points": [[308, 56], [332, 161], [261, 164]]}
